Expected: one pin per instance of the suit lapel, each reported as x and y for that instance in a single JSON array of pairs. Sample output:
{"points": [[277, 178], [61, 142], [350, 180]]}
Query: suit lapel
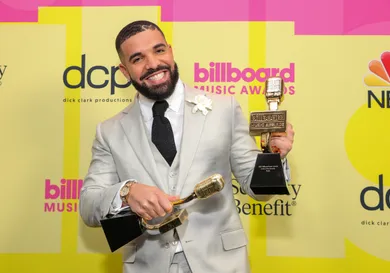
{"points": [[135, 131], [192, 132]]}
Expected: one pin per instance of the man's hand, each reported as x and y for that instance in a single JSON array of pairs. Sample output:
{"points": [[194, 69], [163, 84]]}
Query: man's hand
{"points": [[149, 202], [282, 142]]}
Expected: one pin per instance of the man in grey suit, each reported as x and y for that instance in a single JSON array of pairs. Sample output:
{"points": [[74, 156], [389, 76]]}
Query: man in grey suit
{"points": [[158, 148]]}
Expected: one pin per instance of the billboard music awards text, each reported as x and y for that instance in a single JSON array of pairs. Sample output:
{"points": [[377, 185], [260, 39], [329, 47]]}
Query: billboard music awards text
{"points": [[222, 78]]}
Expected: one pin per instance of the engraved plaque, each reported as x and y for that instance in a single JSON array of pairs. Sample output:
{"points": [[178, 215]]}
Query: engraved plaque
{"points": [[267, 121]]}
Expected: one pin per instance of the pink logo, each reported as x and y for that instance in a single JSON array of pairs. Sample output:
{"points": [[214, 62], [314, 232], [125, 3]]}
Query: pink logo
{"points": [[225, 72], [221, 78], [62, 197]]}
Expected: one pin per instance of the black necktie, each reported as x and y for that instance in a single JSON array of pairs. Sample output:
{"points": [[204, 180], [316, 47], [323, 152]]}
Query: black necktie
{"points": [[162, 135]]}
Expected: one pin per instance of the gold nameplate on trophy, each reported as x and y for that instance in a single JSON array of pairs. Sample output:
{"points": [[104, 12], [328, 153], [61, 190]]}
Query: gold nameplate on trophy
{"points": [[268, 175], [168, 222], [267, 122], [173, 221]]}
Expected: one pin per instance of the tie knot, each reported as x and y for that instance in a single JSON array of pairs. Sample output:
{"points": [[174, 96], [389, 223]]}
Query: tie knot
{"points": [[159, 108]]}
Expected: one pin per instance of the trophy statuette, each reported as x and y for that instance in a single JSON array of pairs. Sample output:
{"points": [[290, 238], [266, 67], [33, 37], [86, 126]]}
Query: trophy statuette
{"points": [[126, 226], [268, 175]]}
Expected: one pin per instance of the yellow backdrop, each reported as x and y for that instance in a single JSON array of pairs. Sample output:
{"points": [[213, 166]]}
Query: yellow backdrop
{"points": [[58, 80]]}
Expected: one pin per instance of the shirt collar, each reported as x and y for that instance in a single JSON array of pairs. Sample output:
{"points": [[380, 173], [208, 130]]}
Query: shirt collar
{"points": [[174, 101]]}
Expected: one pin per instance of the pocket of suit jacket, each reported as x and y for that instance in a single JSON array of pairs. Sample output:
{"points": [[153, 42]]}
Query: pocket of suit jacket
{"points": [[234, 239]]}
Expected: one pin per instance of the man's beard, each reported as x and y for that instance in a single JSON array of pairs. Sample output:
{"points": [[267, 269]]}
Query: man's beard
{"points": [[160, 91]]}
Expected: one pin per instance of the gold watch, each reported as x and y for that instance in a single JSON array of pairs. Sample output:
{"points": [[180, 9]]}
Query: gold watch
{"points": [[124, 192]]}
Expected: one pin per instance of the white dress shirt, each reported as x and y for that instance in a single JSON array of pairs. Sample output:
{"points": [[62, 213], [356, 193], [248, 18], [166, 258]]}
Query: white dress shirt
{"points": [[174, 112]]}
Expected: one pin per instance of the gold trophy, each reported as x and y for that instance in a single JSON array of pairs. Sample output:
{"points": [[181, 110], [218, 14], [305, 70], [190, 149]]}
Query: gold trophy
{"points": [[202, 190], [268, 175], [126, 226]]}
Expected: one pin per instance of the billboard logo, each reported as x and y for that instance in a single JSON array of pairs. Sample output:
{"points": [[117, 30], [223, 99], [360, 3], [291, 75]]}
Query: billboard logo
{"points": [[62, 197], [380, 71], [225, 72], [224, 78], [2, 72]]}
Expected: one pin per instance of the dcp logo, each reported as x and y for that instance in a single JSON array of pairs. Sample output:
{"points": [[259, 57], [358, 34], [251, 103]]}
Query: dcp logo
{"points": [[91, 81], [383, 196]]}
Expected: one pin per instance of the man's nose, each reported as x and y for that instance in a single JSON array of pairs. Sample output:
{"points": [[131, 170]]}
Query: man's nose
{"points": [[152, 63]]}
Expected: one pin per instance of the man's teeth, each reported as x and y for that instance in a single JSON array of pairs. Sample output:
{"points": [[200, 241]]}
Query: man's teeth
{"points": [[157, 77]]}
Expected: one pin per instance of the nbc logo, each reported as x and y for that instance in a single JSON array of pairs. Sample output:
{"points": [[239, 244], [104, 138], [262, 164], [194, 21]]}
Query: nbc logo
{"points": [[380, 71]]}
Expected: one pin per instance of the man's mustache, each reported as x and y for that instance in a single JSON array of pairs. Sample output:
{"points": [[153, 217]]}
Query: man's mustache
{"points": [[151, 71]]}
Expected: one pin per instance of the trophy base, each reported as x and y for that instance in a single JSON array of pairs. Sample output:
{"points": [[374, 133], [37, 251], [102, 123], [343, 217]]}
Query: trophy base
{"points": [[121, 229], [268, 175]]}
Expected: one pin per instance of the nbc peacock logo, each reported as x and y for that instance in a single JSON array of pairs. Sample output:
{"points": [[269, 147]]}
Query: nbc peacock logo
{"points": [[379, 71]]}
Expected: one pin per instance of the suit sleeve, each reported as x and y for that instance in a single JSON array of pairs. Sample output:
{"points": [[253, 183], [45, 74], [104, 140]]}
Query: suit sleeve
{"points": [[244, 152], [99, 193]]}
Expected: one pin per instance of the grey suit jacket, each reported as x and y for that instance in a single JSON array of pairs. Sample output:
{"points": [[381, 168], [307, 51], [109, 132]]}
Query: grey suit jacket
{"points": [[213, 238]]}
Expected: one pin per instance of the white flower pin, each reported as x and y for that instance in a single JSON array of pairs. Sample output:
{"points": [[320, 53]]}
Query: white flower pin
{"points": [[202, 103]]}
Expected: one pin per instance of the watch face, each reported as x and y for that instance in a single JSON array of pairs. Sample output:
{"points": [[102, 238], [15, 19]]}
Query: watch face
{"points": [[124, 191]]}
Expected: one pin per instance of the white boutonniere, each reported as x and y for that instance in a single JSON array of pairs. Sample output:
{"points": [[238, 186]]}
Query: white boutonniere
{"points": [[202, 103]]}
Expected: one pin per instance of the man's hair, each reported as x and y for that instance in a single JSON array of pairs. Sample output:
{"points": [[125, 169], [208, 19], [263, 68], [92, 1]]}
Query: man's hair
{"points": [[132, 29]]}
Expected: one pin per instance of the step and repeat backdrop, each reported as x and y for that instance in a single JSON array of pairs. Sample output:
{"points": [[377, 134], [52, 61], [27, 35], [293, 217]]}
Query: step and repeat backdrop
{"points": [[59, 78]]}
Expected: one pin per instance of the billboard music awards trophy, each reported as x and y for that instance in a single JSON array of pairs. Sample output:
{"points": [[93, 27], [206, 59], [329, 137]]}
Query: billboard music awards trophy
{"points": [[268, 175], [126, 226]]}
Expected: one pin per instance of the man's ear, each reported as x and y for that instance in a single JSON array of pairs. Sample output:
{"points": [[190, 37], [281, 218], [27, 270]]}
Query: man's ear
{"points": [[123, 69]]}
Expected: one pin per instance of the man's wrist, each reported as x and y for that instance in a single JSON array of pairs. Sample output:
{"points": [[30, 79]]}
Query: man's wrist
{"points": [[125, 192]]}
